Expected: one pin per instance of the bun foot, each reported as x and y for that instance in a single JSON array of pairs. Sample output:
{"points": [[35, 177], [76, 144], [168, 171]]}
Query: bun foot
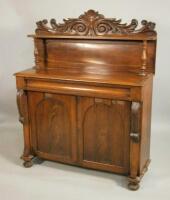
{"points": [[133, 186], [28, 164]]}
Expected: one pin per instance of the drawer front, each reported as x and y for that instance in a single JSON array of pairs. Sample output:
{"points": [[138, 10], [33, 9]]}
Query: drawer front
{"points": [[79, 89]]}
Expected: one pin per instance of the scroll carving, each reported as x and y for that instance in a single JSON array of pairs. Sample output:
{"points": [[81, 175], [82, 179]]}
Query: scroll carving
{"points": [[21, 103], [91, 23], [135, 121]]}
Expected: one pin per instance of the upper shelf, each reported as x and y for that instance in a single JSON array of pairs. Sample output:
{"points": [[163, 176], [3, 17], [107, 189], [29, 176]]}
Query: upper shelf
{"points": [[92, 25]]}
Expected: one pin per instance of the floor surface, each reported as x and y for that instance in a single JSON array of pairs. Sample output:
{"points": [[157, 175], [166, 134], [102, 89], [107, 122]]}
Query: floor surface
{"points": [[57, 181]]}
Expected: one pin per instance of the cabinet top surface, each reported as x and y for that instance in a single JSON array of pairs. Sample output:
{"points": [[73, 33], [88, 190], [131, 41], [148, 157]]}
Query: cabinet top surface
{"points": [[116, 78]]}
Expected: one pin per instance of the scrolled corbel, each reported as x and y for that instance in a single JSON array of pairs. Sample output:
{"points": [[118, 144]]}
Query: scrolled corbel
{"points": [[22, 103], [135, 121]]}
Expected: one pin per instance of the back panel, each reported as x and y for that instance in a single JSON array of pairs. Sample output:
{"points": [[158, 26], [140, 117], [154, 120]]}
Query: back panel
{"points": [[93, 56]]}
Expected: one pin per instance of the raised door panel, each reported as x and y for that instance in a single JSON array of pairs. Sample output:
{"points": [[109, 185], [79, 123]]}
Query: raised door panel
{"points": [[53, 128], [104, 127]]}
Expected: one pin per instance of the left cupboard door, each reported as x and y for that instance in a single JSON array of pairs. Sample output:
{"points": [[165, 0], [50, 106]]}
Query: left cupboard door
{"points": [[53, 126]]}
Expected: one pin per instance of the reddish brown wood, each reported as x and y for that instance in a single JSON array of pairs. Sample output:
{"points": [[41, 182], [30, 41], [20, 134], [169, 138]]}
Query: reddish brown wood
{"points": [[40, 53], [123, 80], [146, 125], [94, 42], [144, 58], [90, 56], [91, 23], [88, 100], [53, 124], [22, 103], [135, 137], [102, 143]]}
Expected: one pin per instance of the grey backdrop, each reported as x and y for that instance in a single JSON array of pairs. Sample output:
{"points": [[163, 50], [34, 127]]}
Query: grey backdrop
{"points": [[18, 19]]}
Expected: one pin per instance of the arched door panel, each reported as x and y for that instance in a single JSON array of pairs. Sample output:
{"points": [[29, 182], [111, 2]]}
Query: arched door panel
{"points": [[104, 126], [53, 125]]}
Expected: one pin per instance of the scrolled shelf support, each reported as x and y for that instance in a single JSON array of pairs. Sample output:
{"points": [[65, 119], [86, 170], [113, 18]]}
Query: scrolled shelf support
{"points": [[144, 58]]}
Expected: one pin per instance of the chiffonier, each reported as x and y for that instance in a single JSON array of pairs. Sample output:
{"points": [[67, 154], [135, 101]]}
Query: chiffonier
{"points": [[87, 101]]}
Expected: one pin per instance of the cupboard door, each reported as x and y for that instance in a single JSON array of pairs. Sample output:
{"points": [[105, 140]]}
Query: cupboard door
{"points": [[53, 126], [104, 127]]}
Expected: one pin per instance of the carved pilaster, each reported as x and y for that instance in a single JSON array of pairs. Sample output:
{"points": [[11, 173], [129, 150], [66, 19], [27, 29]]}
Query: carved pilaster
{"points": [[135, 145], [23, 118]]}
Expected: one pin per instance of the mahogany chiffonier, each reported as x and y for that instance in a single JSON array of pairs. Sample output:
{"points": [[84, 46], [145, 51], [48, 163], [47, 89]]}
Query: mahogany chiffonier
{"points": [[87, 102]]}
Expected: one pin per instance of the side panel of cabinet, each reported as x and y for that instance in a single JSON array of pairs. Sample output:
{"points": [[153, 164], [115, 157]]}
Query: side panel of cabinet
{"points": [[53, 126], [104, 127]]}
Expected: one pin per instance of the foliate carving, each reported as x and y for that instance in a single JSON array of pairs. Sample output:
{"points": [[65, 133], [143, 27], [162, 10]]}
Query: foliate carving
{"points": [[91, 23]]}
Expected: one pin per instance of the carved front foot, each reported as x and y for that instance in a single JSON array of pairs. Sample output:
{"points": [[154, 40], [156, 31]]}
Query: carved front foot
{"points": [[28, 164], [134, 183], [28, 160], [133, 186]]}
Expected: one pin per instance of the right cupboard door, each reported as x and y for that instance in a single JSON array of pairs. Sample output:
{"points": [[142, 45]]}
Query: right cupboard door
{"points": [[104, 129]]}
